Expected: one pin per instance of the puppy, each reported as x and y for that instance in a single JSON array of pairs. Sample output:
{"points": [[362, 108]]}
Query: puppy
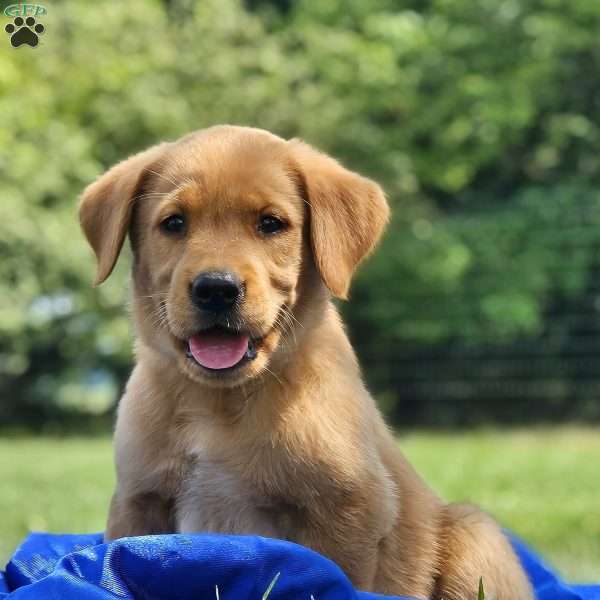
{"points": [[246, 412]]}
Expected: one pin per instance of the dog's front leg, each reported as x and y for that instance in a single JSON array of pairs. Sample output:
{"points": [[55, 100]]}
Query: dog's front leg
{"points": [[348, 539], [139, 514], [355, 554]]}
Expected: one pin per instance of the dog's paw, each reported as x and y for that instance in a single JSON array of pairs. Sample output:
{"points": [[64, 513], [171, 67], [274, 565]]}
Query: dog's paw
{"points": [[24, 32]]}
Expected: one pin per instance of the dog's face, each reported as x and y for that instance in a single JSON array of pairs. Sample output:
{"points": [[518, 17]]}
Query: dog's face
{"points": [[225, 224], [218, 242]]}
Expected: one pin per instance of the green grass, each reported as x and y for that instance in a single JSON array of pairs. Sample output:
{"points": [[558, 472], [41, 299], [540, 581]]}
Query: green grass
{"points": [[53, 485], [545, 485]]}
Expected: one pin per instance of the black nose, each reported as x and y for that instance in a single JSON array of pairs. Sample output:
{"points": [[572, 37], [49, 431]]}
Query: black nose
{"points": [[215, 291]]}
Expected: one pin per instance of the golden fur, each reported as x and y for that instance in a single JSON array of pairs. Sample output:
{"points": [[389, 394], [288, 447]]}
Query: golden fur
{"points": [[291, 444]]}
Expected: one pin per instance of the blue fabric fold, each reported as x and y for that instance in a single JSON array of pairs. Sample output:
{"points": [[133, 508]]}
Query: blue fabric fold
{"points": [[190, 567]]}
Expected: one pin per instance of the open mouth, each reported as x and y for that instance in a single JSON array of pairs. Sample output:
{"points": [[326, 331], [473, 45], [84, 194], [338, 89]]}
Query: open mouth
{"points": [[219, 349]]}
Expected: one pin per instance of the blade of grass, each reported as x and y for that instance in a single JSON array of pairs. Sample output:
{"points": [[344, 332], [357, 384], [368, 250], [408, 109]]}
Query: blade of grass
{"points": [[481, 595], [271, 586]]}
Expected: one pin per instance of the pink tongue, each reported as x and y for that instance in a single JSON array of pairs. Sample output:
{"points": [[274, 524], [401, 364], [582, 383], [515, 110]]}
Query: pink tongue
{"points": [[218, 349]]}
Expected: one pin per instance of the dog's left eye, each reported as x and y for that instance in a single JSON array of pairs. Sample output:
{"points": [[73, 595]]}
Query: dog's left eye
{"points": [[173, 224], [269, 224]]}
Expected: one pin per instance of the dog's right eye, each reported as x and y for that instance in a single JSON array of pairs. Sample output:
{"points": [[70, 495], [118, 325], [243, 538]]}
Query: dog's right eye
{"points": [[173, 224]]}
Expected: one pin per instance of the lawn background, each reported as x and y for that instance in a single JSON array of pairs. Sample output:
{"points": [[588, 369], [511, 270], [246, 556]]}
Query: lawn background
{"points": [[541, 483]]}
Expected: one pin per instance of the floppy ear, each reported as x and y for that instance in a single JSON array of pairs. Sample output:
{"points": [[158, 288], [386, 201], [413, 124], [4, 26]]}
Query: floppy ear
{"points": [[106, 205], [347, 215]]}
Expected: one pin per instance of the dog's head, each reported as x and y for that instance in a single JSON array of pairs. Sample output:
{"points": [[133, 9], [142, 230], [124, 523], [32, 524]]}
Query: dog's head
{"points": [[225, 224]]}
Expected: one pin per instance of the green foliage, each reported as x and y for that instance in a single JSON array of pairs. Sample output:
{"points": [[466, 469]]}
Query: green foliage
{"points": [[486, 273], [478, 117]]}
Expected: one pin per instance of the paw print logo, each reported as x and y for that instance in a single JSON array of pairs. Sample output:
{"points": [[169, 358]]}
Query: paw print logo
{"points": [[24, 32]]}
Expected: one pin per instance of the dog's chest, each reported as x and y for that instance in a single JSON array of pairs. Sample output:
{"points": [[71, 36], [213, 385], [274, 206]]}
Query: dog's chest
{"points": [[223, 497]]}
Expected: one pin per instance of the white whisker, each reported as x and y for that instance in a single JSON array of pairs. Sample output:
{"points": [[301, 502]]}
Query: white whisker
{"points": [[274, 375], [163, 176]]}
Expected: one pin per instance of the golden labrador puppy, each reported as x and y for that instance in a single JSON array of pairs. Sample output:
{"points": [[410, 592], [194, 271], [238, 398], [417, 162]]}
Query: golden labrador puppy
{"points": [[246, 412]]}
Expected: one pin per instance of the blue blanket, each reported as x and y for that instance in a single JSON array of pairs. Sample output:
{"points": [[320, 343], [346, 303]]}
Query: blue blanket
{"points": [[202, 567]]}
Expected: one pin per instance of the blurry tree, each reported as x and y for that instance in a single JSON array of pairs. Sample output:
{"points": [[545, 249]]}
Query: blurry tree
{"points": [[479, 117]]}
